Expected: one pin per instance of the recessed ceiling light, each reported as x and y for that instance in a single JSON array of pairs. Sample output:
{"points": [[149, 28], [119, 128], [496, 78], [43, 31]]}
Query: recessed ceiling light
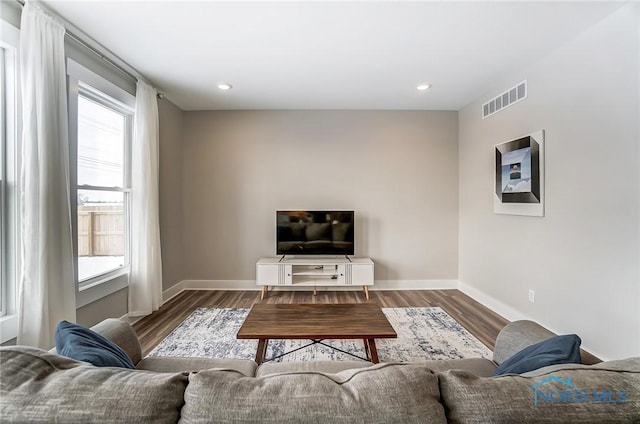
{"points": [[423, 87], [224, 86]]}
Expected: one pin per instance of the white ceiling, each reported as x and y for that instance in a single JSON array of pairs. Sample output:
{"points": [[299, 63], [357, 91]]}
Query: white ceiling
{"points": [[329, 55]]}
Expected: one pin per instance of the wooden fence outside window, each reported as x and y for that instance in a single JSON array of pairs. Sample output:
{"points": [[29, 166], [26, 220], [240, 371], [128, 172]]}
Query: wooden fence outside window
{"points": [[100, 230]]}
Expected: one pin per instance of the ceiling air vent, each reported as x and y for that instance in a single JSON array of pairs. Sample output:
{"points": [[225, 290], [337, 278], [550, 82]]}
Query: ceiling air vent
{"points": [[506, 99]]}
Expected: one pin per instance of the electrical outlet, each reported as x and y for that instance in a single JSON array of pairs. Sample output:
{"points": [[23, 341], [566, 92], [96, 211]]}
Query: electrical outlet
{"points": [[532, 296]]}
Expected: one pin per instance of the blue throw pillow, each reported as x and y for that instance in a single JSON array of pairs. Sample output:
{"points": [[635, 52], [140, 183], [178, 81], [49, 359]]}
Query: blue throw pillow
{"points": [[556, 350], [82, 344]]}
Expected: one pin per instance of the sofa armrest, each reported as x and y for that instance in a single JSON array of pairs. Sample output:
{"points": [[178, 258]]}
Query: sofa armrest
{"points": [[122, 334], [517, 335]]}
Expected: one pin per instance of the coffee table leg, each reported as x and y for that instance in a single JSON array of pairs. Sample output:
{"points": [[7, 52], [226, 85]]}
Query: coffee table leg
{"points": [[373, 351], [366, 348], [262, 349]]}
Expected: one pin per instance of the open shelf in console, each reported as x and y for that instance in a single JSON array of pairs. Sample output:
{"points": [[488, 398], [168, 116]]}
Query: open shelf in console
{"points": [[304, 270], [314, 275]]}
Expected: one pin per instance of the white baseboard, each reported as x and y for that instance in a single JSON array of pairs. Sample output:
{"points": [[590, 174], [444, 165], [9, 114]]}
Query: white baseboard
{"points": [[492, 303], [219, 285], [172, 291], [131, 320]]}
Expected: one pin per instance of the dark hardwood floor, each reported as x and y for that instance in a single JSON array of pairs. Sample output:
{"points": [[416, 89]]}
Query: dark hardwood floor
{"points": [[476, 318]]}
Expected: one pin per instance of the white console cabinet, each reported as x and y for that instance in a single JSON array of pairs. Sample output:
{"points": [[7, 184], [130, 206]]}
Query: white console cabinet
{"points": [[314, 272]]}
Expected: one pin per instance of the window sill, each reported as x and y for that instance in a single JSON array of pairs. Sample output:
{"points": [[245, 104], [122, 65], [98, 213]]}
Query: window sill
{"points": [[8, 328], [97, 288], [89, 292]]}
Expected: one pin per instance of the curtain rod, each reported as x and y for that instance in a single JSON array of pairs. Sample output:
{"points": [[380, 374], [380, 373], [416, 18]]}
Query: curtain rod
{"points": [[135, 74]]}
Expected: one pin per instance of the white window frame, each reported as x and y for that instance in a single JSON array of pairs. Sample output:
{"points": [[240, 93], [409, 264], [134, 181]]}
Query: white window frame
{"points": [[9, 212], [82, 81], [3, 180]]}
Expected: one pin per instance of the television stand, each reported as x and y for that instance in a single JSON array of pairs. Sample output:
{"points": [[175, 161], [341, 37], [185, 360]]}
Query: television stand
{"points": [[288, 272]]}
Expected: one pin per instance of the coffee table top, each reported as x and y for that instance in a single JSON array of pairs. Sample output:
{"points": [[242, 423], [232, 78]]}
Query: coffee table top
{"points": [[316, 321]]}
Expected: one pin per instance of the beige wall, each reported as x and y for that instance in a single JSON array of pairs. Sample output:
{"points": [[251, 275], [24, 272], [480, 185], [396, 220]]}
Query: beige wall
{"points": [[582, 258], [397, 170], [171, 131], [112, 306]]}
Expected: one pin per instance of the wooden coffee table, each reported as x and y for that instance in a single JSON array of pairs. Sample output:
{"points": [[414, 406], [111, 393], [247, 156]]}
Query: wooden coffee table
{"points": [[317, 322]]}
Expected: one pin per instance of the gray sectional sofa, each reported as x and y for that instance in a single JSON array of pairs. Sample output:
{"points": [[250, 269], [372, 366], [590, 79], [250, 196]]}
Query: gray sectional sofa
{"points": [[39, 386]]}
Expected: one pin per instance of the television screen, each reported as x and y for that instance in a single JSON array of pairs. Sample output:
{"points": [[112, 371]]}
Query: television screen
{"points": [[315, 233]]}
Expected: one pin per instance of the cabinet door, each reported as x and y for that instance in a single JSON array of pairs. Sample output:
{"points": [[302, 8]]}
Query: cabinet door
{"points": [[273, 274], [285, 274], [355, 274], [362, 274]]}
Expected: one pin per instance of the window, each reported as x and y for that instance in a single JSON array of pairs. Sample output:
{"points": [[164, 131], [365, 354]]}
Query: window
{"points": [[100, 135], [9, 164], [104, 128], [3, 143]]}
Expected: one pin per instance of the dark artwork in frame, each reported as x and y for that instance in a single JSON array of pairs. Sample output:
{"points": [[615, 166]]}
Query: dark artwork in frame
{"points": [[519, 176]]}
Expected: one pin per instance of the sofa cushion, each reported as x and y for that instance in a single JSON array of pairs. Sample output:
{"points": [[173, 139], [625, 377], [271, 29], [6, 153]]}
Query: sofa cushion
{"points": [[607, 392], [82, 344], [330, 367], [40, 387], [555, 350], [384, 393], [479, 366], [177, 364]]}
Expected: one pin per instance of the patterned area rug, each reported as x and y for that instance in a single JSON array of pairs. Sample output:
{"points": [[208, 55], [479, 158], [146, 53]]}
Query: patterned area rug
{"points": [[423, 333]]}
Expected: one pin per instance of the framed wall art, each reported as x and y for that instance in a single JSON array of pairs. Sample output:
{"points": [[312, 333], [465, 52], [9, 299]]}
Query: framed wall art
{"points": [[519, 176]]}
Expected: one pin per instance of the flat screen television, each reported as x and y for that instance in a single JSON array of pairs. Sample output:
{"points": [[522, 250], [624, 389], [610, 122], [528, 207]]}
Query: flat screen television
{"points": [[315, 232]]}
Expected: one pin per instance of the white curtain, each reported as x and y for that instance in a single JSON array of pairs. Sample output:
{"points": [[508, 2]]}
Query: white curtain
{"points": [[47, 284], [145, 283]]}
